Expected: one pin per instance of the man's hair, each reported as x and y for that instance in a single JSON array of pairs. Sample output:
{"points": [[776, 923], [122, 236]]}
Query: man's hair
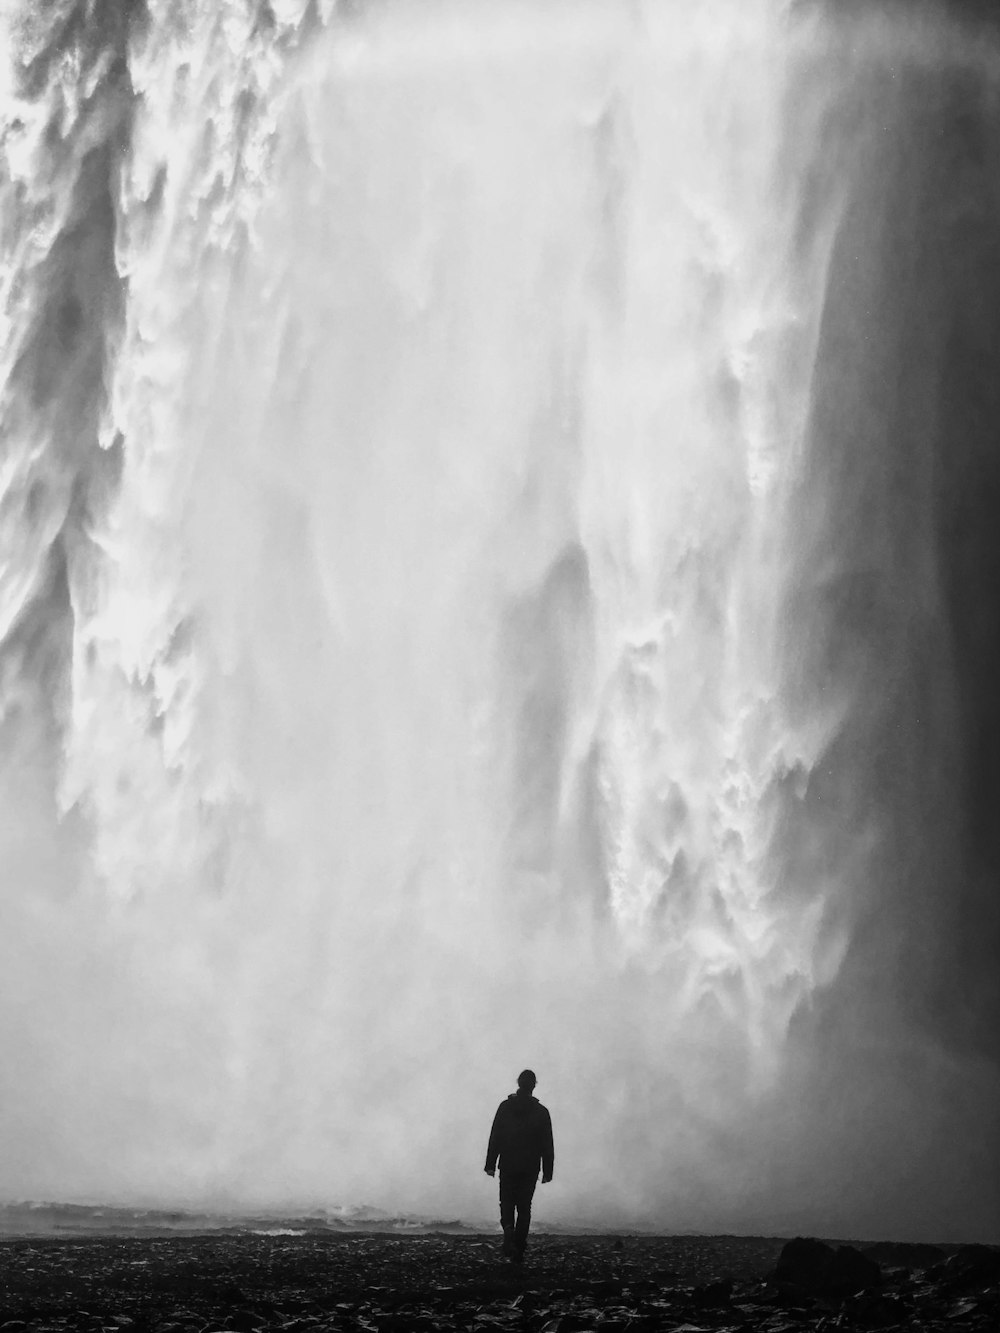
{"points": [[526, 1080]]}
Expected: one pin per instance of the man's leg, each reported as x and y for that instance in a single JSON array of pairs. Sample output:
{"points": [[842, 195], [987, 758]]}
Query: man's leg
{"points": [[525, 1192], [508, 1198]]}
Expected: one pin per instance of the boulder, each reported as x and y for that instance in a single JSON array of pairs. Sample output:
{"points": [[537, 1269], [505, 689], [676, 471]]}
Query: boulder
{"points": [[903, 1254], [969, 1268], [814, 1267]]}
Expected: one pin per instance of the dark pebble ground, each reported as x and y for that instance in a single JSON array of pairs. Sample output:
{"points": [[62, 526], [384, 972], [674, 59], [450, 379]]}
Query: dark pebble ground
{"points": [[389, 1284]]}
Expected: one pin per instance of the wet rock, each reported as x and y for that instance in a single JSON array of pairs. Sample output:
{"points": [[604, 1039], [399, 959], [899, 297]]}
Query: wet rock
{"points": [[902, 1255], [876, 1310], [384, 1284], [803, 1262], [812, 1266], [852, 1271], [713, 1295], [605, 1291], [244, 1321], [970, 1267]]}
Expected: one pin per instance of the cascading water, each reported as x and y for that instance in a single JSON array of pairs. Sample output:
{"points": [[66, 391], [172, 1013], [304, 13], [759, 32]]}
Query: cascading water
{"points": [[475, 591]]}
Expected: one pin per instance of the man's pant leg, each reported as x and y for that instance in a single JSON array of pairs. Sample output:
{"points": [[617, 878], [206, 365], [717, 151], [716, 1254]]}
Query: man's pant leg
{"points": [[508, 1200], [525, 1190]]}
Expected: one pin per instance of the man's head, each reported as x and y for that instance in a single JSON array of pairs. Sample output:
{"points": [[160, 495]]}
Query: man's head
{"points": [[526, 1082]]}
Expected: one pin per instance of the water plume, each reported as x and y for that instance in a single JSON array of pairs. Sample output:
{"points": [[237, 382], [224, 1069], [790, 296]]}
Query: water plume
{"points": [[478, 590]]}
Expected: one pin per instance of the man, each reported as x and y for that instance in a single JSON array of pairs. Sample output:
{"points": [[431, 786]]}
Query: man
{"points": [[521, 1138]]}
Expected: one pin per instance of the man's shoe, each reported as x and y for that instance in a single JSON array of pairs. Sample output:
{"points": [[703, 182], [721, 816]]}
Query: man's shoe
{"points": [[507, 1248]]}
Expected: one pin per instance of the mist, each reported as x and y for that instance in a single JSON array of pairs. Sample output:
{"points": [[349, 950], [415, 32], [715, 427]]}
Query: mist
{"points": [[498, 565]]}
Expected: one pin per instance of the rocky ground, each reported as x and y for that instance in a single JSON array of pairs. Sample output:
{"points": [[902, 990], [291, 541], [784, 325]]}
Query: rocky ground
{"points": [[389, 1284]]}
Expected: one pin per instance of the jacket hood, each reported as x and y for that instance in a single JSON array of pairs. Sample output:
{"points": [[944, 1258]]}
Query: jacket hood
{"points": [[521, 1103]]}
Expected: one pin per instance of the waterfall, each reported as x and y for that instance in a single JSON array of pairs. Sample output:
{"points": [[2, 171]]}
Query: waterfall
{"points": [[478, 588]]}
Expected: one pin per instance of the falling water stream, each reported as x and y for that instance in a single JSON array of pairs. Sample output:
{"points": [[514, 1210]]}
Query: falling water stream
{"points": [[474, 593]]}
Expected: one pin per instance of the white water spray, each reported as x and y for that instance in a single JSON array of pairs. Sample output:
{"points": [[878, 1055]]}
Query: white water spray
{"points": [[399, 577]]}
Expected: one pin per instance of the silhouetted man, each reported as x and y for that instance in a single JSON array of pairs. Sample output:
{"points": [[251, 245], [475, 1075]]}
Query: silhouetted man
{"points": [[521, 1138]]}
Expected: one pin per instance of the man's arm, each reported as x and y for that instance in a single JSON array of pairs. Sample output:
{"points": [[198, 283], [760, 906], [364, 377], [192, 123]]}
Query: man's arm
{"points": [[548, 1150], [493, 1147]]}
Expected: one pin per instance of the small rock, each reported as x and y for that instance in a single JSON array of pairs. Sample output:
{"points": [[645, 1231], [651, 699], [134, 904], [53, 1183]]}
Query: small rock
{"points": [[713, 1295], [244, 1321]]}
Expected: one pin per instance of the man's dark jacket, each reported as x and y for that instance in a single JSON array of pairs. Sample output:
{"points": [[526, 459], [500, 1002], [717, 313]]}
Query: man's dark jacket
{"points": [[521, 1137]]}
